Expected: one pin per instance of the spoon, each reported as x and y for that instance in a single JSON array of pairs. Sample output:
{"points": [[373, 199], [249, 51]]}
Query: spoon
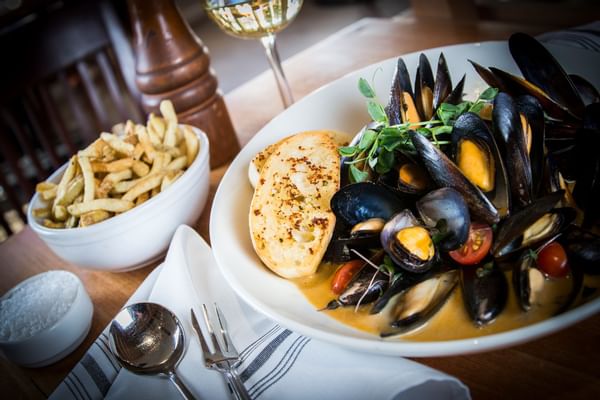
{"points": [[148, 339]]}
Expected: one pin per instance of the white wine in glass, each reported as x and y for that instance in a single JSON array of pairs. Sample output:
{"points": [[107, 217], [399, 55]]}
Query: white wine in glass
{"points": [[257, 19]]}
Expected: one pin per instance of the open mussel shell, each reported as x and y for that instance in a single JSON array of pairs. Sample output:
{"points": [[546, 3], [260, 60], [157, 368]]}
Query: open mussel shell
{"points": [[509, 134], [485, 292], [531, 285], [408, 243], [446, 174], [365, 288], [424, 86], [476, 153], [532, 225], [533, 129], [517, 86], [443, 83], [361, 201], [409, 177], [456, 96], [541, 68], [447, 205], [341, 246], [401, 106], [487, 76], [416, 305]]}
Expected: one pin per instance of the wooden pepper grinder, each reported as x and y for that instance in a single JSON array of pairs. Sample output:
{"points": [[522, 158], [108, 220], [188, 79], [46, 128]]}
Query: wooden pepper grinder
{"points": [[172, 63]]}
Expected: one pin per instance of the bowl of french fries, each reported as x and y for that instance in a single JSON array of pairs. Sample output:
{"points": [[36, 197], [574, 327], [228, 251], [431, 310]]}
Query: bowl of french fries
{"points": [[116, 204]]}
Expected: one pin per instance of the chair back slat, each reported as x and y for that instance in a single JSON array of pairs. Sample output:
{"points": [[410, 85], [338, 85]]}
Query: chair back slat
{"points": [[39, 128], [112, 84], [10, 155], [92, 93], [25, 142], [87, 127], [55, 119]]}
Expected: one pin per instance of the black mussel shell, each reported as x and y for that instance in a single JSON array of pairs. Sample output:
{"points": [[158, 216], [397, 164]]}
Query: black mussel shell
{"points": [[424, 88], [470, 126], [416, 305], [541, 68], [487, 76], [419, 182], [400, 85], [446, 174], [507, 127], [526, 279], [448, 205], [443, 83], [456, 96], [510, 233], [399, 254], [401, 282], [534, 114], [485, 292], [518, 86], [339, 249], [361, 201], [365, 288]]}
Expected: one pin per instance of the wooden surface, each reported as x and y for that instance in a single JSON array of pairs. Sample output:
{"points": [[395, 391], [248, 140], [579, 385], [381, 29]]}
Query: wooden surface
{"points": [[563, 365]]}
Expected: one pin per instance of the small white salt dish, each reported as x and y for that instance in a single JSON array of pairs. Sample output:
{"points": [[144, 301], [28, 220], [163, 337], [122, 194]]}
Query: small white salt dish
{"points": [[44, 318]]}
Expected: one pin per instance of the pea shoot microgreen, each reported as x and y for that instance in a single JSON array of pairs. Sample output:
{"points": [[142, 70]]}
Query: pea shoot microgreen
{"points": [[379, 143]]}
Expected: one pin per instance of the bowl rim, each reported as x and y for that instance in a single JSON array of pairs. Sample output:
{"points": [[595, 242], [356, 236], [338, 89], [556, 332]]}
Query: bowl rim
{"points": [[200, 165], [33, 278]]}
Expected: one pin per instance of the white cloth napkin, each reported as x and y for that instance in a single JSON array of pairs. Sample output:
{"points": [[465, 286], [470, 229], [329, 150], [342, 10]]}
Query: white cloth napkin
{"points": [[277, 363]]}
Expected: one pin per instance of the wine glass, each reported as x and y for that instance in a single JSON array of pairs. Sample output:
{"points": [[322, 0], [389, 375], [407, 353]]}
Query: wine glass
{"points": [[262, 19]]}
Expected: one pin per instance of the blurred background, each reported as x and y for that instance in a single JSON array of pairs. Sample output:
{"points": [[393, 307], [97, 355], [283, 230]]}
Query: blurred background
{"points": [[67, 71]]}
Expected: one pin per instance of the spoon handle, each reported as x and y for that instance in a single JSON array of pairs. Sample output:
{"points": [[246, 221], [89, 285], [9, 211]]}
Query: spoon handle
{"points": [[181, 387]]}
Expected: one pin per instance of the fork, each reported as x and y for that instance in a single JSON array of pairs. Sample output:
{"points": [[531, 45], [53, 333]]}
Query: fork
{"points": [[223, 358]]}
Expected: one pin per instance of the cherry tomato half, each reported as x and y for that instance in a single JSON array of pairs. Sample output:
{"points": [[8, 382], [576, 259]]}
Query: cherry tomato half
{"points": [[344, 275], [477, 246], [552, 259]]}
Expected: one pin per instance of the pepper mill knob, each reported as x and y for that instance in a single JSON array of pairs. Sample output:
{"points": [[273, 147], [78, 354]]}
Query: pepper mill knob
{"points": [[172, 63]]}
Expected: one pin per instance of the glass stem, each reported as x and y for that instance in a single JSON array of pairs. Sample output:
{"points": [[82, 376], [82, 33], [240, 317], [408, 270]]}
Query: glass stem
{"points": [[282, 83]]}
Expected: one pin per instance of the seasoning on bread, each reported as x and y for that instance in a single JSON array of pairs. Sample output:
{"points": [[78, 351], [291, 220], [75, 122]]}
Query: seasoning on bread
{"points": [[256, 164], [291, 222]]}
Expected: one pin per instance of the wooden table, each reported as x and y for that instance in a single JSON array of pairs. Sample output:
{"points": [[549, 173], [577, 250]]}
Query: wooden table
{"points": [[566, 364]]}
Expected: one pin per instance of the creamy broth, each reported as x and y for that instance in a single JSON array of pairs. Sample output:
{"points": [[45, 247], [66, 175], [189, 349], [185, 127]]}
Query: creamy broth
{"points": [[452, 321]]}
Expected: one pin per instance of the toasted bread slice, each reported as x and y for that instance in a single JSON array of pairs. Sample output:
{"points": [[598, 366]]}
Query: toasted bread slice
{"points": [[291, 222], [256, 164]]}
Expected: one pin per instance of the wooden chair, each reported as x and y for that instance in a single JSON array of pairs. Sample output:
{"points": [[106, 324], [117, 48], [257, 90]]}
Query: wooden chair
{"points": [[67, 75]]}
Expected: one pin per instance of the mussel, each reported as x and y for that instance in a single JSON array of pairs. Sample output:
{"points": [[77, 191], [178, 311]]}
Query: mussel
{"points": [[416, 305], [446, 174], [485, 292], [409, 177], [476, 154], [366, 287], [447, 207], [408, 243], [508, 131], [532, 225]]}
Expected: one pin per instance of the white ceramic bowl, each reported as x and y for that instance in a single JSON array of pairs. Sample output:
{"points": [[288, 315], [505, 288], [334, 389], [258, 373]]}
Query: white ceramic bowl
{"points": [[58, 340], [136, 237]]}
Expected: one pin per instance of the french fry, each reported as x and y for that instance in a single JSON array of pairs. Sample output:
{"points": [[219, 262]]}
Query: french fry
{"points": [[157, 124], [76, 186], [124, 186], [145, 142], [192, 144], [65, 179], [42, 212], [118, 171], [169, 178], [89, 187], [114, 166], [142, 198], [117, 143], [140, 168], [112, 205], [93, 217], [177, 164], [145, 184]]}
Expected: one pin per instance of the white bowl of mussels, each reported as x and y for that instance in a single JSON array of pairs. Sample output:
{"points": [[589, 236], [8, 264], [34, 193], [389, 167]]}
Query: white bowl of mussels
{"points": [[482, 242]]}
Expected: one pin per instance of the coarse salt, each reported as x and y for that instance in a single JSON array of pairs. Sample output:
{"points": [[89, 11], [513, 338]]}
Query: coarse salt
{"points": [[37, 304]]}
